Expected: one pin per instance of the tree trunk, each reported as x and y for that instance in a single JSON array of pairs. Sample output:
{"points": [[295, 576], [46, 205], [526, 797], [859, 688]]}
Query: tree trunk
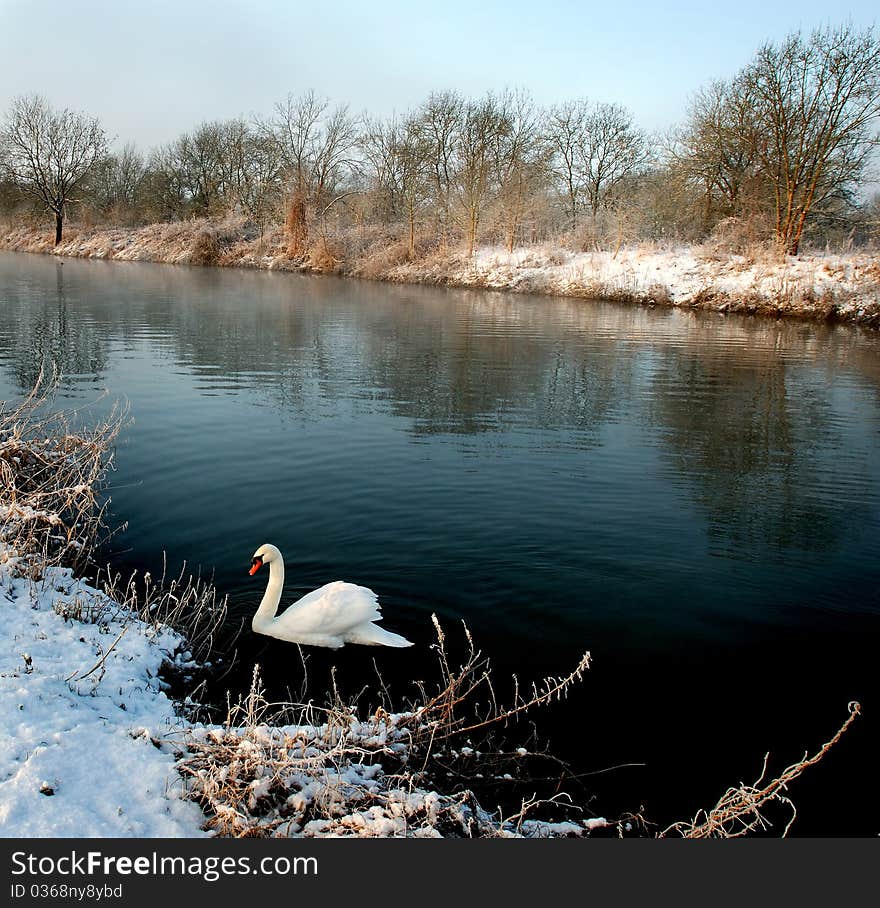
{"points": [[512, 229], [802, 217], [59, 223]]}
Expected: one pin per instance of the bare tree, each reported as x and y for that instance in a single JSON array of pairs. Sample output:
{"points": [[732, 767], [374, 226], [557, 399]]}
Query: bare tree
{"points": [[233, 153], [815, 101], [316, 146], [564, 132], [201, 157], [50, 153], [413, 152], [612, 150], [717, 149], [260, 190], [520, 161], [379, 145], [439, 121], [221, 165], [116, 183], [595, 147], [164, 193], [398, 156], [297, 130], [474, 143]]}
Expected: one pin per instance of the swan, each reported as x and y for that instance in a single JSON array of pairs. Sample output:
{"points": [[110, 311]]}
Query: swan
{"points": [[333, 615]]}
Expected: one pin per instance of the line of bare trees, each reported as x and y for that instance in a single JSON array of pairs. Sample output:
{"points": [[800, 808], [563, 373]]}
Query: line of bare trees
{"points": [[790, 135], [782, 148]]}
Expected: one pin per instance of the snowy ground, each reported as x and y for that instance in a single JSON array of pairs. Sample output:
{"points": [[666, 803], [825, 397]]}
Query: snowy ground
{"points": [[76, 752], [684, 276]]}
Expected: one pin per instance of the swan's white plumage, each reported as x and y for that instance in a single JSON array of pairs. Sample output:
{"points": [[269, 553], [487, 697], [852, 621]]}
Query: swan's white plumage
{"points": [[333, 615]]}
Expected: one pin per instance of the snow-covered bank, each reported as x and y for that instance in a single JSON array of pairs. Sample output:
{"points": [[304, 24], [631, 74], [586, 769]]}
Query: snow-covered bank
{"points": [[81, 711], [820, 286], [92, 745], [845, 287]]}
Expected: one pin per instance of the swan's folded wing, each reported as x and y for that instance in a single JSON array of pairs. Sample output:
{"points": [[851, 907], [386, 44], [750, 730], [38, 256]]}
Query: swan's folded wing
{"points": [[331, 610]]}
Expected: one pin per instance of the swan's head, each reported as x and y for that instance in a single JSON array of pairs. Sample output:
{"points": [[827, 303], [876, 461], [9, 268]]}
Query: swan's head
{"points": [[265, 554]]}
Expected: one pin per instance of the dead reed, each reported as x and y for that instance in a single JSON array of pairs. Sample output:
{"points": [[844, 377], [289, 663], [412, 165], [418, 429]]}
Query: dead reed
{"points": [[52, 514], [187, 603], [50, 479], [305, 769]]}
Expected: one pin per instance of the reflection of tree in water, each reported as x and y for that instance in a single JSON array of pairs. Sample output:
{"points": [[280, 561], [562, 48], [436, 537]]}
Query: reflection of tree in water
{"points": [[245, 341], [753, 432], [455, 363], [484, 362], [43, 336]]}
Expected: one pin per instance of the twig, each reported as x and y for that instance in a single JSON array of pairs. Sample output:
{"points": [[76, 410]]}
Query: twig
{"points": [[100, 661], [738, 810]]}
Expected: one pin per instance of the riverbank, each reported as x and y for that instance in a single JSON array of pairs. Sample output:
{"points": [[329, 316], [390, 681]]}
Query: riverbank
{"points": [[816, 286], [93, 745]]}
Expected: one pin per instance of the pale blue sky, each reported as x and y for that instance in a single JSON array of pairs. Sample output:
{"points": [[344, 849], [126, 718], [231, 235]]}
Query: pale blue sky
{"points": [[150, 70]]}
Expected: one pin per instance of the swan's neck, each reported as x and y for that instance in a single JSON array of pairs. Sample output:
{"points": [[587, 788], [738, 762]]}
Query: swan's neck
{"points": [[269, 605]]}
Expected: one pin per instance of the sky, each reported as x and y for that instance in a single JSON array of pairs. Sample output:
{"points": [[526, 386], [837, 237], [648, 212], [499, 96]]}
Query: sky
{"points": [[152, 70]]}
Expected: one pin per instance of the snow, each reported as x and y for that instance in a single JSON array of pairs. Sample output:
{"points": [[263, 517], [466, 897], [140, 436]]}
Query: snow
{"points": [[87, 738], [680, 276]]}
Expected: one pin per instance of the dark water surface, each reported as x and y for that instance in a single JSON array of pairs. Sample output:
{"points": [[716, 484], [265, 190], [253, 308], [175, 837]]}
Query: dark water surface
{"points": [[693, 498]]}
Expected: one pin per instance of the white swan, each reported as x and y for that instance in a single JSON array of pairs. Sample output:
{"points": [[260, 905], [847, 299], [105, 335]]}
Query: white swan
{"points": [[336, 614]]}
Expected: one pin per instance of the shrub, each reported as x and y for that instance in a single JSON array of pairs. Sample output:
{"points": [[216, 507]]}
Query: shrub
{"points": [[205, 249], [50, 476], [325, 255], [296, 226], [381, 260]]}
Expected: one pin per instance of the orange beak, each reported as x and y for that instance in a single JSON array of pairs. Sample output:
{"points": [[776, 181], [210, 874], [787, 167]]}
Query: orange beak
{"points": [[255, 567]]}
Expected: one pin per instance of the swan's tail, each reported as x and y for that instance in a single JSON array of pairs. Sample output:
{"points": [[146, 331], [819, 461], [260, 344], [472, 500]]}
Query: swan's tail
{"points": [[371, 635]]}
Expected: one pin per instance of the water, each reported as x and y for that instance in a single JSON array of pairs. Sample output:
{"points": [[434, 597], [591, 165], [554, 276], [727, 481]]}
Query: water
{"points": [[691, 497]]}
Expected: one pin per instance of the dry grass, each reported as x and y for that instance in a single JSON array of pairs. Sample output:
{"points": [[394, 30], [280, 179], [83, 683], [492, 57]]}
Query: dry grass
{"points": [[751, 237], [254, 777], [325, 255], [377, 263], [738, 811], [303, 769], [186, 603], [50, 477], [465, 700], [51, 513], [847, 289], [205, 249]]}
